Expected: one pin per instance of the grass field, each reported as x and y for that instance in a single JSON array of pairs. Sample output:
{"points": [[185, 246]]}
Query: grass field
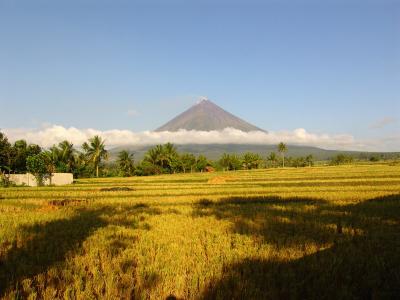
{"points": [[309, 233]]}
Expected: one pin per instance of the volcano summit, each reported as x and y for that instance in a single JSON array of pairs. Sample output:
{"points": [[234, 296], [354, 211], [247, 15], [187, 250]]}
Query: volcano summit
{"points": [[207, 116]]}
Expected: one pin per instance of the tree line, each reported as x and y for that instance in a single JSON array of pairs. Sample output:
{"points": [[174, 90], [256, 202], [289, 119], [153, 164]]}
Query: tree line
{"points": [[91, 160], [22, 157]]}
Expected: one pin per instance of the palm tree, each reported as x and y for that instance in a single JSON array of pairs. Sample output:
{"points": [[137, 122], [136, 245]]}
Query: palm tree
{"points": [[162, 156], [51, 158], [251, 160], [225, 161], [67, 154], [176, 164], [95, 151], [310, 160], [188, 162], [282, 148], [201, 163], [272, 158], [126, 163], [80, 163], [170, 149], [167, 155], [151, 156]]}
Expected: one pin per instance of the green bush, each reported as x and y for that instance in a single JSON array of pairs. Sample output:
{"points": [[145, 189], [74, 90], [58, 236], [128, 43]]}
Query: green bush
{"points": [[36, 165]]}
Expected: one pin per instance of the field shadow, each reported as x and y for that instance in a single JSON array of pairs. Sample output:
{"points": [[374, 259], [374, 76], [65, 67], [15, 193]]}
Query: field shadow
{"points": [[282, 222], [361, 262], [42, 246], [48, 244]]}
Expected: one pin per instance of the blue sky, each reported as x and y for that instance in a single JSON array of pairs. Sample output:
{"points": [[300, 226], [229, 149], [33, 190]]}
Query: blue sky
{"points": [[331, 67]]}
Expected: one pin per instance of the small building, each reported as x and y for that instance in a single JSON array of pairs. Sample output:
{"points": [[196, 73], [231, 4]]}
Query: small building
{"points": [[209, 169], [30, 180]]}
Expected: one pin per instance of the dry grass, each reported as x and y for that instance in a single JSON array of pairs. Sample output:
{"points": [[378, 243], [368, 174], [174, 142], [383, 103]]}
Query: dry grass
{"points": [[220, 179], [323, 232]]}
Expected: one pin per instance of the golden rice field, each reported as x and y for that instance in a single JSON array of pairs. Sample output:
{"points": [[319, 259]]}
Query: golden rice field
{"points": [[309, 233]]}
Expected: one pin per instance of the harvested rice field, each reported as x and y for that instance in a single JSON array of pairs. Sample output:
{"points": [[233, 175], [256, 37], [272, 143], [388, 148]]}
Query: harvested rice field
{"points": [[307, 233]]}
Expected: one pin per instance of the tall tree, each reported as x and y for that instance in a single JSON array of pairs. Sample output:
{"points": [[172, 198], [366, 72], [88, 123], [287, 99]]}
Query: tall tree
{"points": [[164, 156], [95, 152], [67, 155], [170, 159], [282, 149], [230, 162], [225, 161], [126, 163], [20, 151], [19, 155], [152, 155], [201, 163], [272, 158], [51, 158], [251, 160], [309, 160], [170, 149], [341, 159], [188, 162], [81, 167], [176, 164], [5, 153], [235, 162]]}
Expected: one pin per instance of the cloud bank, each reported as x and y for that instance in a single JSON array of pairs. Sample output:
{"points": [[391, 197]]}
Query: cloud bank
{"points": [[49, 135]]}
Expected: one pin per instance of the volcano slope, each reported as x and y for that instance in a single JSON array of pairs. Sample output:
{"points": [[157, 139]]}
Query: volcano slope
{"points": [[207, 116]]}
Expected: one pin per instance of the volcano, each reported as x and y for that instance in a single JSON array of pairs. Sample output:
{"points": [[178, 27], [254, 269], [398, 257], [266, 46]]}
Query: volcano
{"points": [[207, 116]]}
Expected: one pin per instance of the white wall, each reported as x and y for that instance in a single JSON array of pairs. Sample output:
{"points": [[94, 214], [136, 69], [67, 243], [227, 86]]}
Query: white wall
{"points": [[20, 179], [29, 179], [62, 178]]}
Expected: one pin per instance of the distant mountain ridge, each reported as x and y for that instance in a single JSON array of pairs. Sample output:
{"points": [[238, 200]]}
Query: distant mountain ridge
{"points": [[207, 116], [215, 151]]}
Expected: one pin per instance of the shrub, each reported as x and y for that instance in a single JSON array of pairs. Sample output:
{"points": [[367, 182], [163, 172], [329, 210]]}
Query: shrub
{"points": [[341, 159], [36, 165]]}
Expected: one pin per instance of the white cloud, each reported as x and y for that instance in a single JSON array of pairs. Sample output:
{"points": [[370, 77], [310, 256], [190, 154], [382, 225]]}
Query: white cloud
{"points": [[49, 135], [383, 123]]}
